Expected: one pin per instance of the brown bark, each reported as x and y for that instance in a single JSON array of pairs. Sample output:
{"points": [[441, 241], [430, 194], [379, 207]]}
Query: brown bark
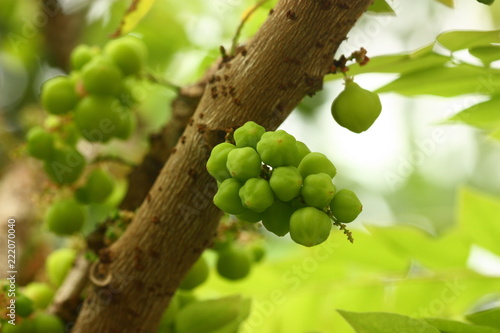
{"points": [[286, 60]]}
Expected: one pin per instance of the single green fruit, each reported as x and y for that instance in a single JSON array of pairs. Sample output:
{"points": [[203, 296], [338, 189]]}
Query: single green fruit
{"points": [[277, 148], [65, 165], [59, 95], [128, 53], [316, 163], [309, 226], [302, 150], [216, 164], [65, 217], [99, 186], [486, 2], [48, 323], [243, 163], [126, 126], [196, 275], [248, 135], [249, 215], [276, 218], [58, 264], [81, 55], [356, 108], [99, 117], [101, 76], [234, 263], [227, 197], [286, 182], [40, 143], [40, 293], [25, 326], [318, 190], [258, 252], [256, 194], [345, 206], [24, 305]]}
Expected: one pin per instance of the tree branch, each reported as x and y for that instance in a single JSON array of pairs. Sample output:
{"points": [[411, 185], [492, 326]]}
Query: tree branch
{"points": [[286, 60]]}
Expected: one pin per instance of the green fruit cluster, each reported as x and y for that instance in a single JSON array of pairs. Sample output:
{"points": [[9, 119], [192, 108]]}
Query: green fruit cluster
{"points": [[273, 178], [356, 108], [93, 102], [96, 92]]}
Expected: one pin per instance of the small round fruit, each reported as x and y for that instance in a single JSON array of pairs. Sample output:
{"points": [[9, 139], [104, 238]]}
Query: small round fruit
{"points": [[234, 263], [24, 305], [99, 186], [101, 76], [345, 206], [48, 323], [248, 135], [318, 190], [40, 143], [486, 2], [99, 117], [249, 215], [227, 197], [65, 217], [81, 55], [196, 275], [65, 165], [256, 194], [356, 108], [258, 252], [316, 163], [59, 95], [243, 163], [128, 53], [276, 218], [277, 148], [58, 264], [25, 326], [40, 293], [286, 182], [216, 164], [303, 150], [126, 126], [309, 226]]}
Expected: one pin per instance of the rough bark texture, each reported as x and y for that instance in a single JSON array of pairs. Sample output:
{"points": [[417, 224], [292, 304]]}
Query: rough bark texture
{"points": [[286, 60]]}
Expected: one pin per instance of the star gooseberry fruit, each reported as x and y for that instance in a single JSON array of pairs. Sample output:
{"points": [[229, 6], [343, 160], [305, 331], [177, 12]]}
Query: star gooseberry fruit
{"points": [[356, 108]]}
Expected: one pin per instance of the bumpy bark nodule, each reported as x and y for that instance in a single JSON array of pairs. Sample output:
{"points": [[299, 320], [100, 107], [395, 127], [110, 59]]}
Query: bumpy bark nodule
{"points": [[285, 61]]}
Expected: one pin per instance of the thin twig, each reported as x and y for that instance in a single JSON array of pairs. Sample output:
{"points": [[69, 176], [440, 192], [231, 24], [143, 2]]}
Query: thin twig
{"points": [[242, 23], [153, 78]]}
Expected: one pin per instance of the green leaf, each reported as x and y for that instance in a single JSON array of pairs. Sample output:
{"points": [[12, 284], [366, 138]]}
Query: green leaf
{"points": [[490, 317], [452, 326], [382, 322], [459, 40], [381, 6], [446, 81], [212, 316], [449, 3], [135, 13], [487, 54], [484, 115], [478, 216]]}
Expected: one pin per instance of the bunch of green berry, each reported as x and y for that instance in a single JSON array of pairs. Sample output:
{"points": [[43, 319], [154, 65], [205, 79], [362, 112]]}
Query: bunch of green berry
{"points": [[273, 178], [94, 103], [30, 305]]}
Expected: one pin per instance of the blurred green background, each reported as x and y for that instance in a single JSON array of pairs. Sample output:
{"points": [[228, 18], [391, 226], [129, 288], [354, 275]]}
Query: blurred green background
{"points": [[426, 243]]}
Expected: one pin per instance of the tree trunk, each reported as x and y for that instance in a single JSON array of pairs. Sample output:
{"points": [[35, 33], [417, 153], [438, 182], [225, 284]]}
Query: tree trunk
{"points": [[286, 60]]}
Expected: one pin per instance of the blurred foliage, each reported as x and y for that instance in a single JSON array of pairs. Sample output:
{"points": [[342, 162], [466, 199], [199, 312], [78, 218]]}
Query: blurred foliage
{"points": [[402, 269]]}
